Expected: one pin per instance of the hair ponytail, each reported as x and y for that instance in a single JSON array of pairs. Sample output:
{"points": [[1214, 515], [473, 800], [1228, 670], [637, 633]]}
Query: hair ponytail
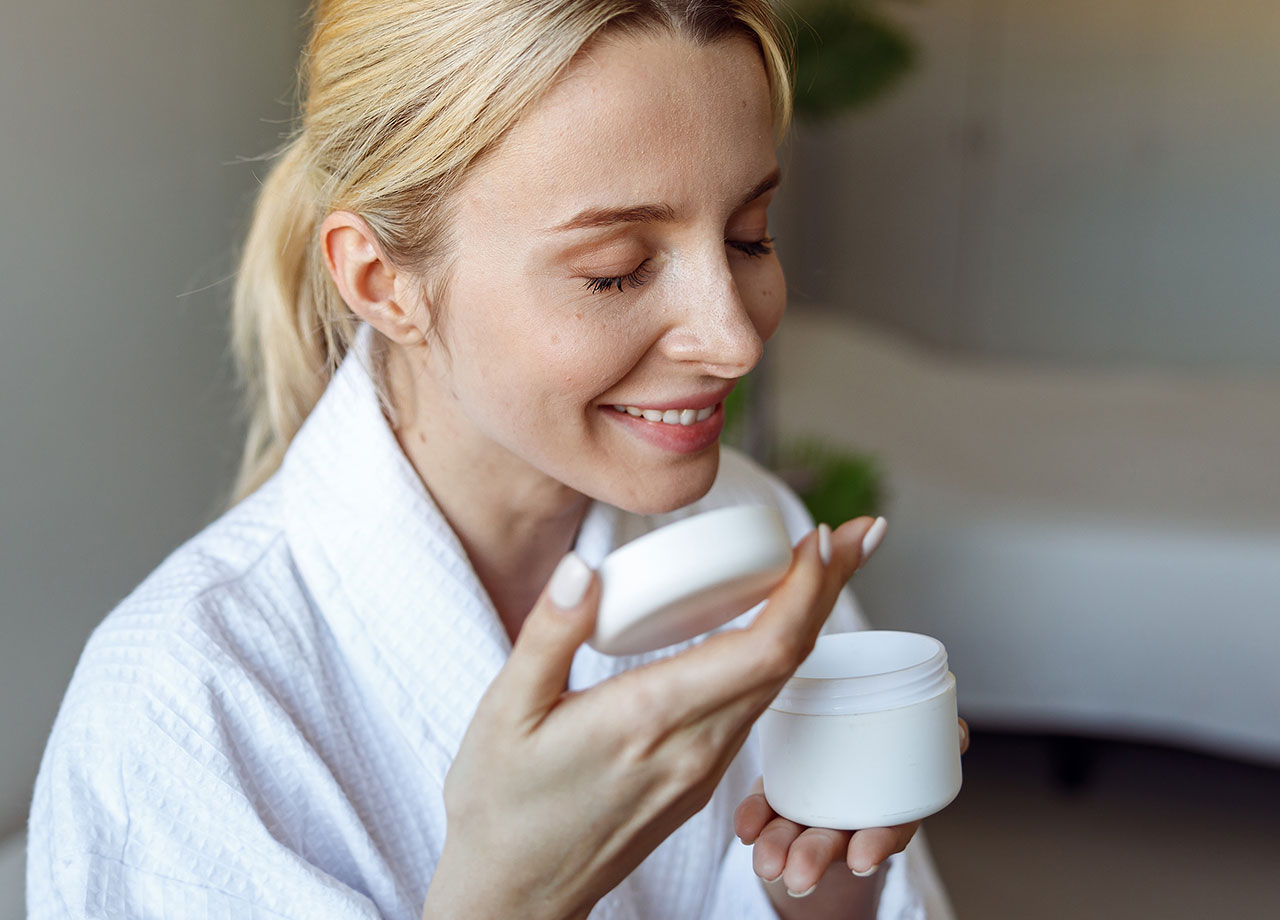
{"points": [[289, 329]]}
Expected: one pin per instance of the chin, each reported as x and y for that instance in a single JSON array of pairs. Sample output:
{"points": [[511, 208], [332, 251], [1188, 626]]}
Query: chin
{"points": [[668, 490]]}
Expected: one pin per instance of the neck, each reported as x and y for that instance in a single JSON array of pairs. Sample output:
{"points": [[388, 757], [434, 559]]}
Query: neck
{"points": [[514, 535]]}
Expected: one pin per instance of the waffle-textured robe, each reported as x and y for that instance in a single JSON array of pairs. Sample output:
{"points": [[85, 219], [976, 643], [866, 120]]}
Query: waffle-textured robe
{"points": [[262, 728]]}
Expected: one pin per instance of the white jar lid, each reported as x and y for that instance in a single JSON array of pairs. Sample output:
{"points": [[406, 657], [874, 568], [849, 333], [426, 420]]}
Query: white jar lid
{"points": [[689, 577]]}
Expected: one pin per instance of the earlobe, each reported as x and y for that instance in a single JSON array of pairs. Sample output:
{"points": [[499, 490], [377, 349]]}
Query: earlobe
{"points": [[372, 286]]}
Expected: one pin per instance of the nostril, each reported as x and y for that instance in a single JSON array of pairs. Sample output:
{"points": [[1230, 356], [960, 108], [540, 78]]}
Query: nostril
{"points": [[741, 353], [718, 330]]}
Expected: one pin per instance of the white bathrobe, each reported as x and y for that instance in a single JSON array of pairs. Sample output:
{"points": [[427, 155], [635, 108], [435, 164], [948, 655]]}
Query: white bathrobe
{"points": [[262, 728]]}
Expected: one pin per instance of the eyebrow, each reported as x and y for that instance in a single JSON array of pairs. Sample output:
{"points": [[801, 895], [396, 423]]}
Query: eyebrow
{"points": [[593, 218]]}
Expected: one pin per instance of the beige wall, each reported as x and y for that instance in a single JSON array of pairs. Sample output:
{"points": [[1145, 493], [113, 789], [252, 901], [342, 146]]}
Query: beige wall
{"points": [[120, 199], [1093, 181]]}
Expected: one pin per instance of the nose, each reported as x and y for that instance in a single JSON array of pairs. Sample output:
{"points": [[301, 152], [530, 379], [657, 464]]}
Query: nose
{"points": [[715, 327]]}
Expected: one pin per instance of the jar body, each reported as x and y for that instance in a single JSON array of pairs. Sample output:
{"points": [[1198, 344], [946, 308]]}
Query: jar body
{"points": [[868, 768]]}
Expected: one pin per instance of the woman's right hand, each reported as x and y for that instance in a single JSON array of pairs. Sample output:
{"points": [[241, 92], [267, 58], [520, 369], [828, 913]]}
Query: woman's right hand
{"points": [[555, 797]]}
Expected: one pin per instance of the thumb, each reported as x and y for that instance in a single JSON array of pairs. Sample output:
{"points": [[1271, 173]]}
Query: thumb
{"points": [[563, 618]]}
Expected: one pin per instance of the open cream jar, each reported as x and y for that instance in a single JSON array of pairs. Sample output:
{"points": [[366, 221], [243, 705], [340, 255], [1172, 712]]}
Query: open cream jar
{"points": [[864, 734]]}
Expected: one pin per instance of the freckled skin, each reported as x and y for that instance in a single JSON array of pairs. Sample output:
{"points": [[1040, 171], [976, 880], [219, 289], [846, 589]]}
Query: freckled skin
{"points": [[533, 354]]}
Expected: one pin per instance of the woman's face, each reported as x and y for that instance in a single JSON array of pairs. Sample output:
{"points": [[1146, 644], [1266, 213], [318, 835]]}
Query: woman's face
{"points": [[613, 252]]}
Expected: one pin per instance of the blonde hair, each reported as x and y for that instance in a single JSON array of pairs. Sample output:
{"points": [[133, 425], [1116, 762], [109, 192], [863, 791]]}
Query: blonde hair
{"points": [[397, 99]]}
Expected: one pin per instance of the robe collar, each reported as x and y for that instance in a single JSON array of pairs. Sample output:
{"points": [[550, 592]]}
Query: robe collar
{"points": [[387, 573]]}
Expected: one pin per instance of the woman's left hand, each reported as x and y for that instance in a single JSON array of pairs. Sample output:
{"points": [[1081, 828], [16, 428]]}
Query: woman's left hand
{"points": [[800, 855]]}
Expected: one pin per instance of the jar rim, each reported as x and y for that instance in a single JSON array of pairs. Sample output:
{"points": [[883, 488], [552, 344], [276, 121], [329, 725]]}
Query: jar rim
{"points": [[866, 671]]}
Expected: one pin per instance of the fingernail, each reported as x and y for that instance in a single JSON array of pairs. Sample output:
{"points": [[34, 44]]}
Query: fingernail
{"points": [[867, 873], [803, 894], [871, 542], [824, 543], [771, 880], [569, 582]]}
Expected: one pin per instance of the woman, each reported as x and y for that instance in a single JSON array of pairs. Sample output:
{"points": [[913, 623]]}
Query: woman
{"points": [[506, 272]]}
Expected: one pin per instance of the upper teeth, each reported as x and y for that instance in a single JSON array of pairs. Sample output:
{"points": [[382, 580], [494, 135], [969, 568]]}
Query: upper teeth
{"points": [[669, 416]]}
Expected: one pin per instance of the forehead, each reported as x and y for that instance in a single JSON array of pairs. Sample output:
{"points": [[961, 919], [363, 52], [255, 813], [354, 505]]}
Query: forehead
{"points": [[635, 118]]}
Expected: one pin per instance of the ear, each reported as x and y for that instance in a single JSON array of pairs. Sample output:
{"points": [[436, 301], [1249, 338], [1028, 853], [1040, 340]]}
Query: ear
{"points": [[374, 288]]}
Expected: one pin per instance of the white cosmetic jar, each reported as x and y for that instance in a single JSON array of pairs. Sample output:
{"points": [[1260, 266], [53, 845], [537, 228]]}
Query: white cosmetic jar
{"points": [[864, 734]]}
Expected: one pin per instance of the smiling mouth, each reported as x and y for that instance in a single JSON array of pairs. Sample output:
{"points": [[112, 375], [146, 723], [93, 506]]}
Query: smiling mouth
{"points": [[684, 417]]}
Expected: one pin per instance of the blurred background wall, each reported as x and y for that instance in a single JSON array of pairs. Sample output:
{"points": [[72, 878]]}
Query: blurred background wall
{"points": [[1087, 182], [1038, 283], [1039, 280], [122, 192]]}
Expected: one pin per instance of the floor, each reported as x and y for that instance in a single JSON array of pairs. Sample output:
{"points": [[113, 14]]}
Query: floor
{"points": [[1052, 828]]}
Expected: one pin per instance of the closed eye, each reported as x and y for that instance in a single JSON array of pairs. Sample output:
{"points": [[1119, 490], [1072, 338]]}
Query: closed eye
{"points": [[633, 280], [753, 248]]}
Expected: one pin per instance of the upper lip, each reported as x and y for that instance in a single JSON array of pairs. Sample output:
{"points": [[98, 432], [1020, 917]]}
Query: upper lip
{"points": [[694, 401]]}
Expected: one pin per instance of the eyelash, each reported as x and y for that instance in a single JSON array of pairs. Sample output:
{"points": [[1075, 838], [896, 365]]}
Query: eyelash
{"points": [[754, 248], [634, 279], [751, 248]]}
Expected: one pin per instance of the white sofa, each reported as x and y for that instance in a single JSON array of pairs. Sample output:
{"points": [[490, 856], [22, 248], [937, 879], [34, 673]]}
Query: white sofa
{"points": [[1099, 550]]}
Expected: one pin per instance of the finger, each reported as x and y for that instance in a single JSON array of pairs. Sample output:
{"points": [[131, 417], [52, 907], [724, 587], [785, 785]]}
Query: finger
{"points": [[563, 618], [871, 847], [737, 673], [964, 736], [847, 543], [871, 540], [752, 814], [748, 666], [769, 857], [809, 856], [851, 543]]}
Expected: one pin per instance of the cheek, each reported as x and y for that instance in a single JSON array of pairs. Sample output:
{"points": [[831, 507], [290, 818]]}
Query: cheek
{"points": [[560, 355], [532, 345], [594, 354]]}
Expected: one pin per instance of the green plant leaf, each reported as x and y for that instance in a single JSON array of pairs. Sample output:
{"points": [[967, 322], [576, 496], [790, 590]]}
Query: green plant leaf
{"points": [[736, 407], [847, 55], [835, 484]]}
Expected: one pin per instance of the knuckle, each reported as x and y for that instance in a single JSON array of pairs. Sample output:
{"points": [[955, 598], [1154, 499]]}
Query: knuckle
{"points": [[645, 734], [779, 834], [644, 713], [493, 717], [779, 655], [640, 744], [693, 766], [461, 800]]}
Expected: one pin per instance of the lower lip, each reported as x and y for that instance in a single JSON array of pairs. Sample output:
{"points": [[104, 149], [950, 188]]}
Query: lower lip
{"points": [[680, 439]]}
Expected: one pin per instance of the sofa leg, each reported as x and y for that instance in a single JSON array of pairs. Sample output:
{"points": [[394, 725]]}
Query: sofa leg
{"points": [[1073, 762]]}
